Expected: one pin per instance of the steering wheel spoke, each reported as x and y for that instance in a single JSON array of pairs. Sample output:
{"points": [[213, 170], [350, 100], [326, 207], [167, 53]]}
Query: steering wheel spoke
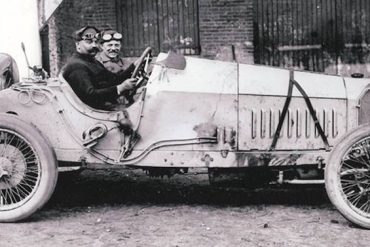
{"points": [[143, 63]]}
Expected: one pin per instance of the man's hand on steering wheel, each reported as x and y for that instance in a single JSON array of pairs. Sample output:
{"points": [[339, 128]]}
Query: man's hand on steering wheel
{"points": [[138, 77], [128, 84]]}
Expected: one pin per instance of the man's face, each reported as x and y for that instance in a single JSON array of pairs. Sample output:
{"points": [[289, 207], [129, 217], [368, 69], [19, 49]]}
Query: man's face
{"points": [[111, 48], [87, 47]]}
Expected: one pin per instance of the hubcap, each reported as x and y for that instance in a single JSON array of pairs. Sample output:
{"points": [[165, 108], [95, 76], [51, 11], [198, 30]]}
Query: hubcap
{"points": [[5, 166], [12, 167]]}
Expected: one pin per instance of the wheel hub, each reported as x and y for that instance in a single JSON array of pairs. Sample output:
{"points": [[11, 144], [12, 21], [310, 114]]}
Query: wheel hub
{"points": [[5, 168], [12, 166]]}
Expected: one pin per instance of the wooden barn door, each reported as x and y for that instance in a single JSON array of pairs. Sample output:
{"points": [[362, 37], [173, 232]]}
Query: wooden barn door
{"points": [[161, 24], [316, 35]]}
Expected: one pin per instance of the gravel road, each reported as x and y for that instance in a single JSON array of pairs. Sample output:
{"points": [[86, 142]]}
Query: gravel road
{"points": [[128, 208]]}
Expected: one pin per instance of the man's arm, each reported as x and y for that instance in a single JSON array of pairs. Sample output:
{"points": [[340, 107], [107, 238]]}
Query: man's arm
{"points": [[80, 81], [125, 74]]}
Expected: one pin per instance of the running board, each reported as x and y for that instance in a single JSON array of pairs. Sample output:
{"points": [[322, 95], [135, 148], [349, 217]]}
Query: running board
{"points": [[69, 168]]}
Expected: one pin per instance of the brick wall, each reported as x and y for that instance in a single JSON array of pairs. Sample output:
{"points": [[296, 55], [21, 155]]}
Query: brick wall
{"points": [[71, 15], [222, 23]]}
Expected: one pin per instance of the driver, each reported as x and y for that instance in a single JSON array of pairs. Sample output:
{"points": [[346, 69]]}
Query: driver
{"points": [[90, 80]]}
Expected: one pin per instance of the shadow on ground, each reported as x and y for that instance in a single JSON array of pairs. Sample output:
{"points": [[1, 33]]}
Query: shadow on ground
{"points": [[94, 188]]}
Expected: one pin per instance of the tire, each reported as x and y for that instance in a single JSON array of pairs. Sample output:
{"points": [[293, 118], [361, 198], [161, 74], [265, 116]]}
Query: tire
{"points": [[347, 176], [28, 169]]}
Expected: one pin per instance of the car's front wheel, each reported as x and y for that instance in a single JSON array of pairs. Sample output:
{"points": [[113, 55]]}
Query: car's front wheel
{"points": [[347, 176], [28, 169]]}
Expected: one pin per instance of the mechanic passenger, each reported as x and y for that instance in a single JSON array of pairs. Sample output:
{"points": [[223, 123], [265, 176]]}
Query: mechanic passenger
{"points": [[91, 81], [109, 56]]}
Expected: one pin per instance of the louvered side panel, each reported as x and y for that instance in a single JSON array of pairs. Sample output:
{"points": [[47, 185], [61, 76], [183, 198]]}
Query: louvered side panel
{"points": [[259, 117]]}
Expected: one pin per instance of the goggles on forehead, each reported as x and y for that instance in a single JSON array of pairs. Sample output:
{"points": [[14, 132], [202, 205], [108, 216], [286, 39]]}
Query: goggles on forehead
{"points": [[109, 36], [90, 36]]}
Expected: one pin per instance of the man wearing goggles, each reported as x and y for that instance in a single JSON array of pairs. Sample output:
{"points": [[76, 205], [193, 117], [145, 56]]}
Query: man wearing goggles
{"points": [[109, 35], [91, 81], [110, 57]]}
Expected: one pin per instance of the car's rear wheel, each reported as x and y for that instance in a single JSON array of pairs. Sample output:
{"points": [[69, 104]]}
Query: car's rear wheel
{"points": [[28, 169], [347, 176]]}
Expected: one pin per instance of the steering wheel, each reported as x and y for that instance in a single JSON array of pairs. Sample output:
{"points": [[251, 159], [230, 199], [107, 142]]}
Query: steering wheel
{"points": [[141, 66], [144, 58]]}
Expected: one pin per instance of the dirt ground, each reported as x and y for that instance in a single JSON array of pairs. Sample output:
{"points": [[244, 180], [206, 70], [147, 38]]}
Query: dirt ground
{"points": [[126, 208]]}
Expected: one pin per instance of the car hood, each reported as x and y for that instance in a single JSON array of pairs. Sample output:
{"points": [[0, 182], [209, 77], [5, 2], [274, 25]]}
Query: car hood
{"points": [[211, 76]]}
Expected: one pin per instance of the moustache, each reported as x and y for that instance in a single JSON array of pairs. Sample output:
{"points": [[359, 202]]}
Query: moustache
{"points": [[93, 50]]}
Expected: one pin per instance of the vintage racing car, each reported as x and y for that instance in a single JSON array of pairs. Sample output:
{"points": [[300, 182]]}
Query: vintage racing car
{"points": [[265, 124]]}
